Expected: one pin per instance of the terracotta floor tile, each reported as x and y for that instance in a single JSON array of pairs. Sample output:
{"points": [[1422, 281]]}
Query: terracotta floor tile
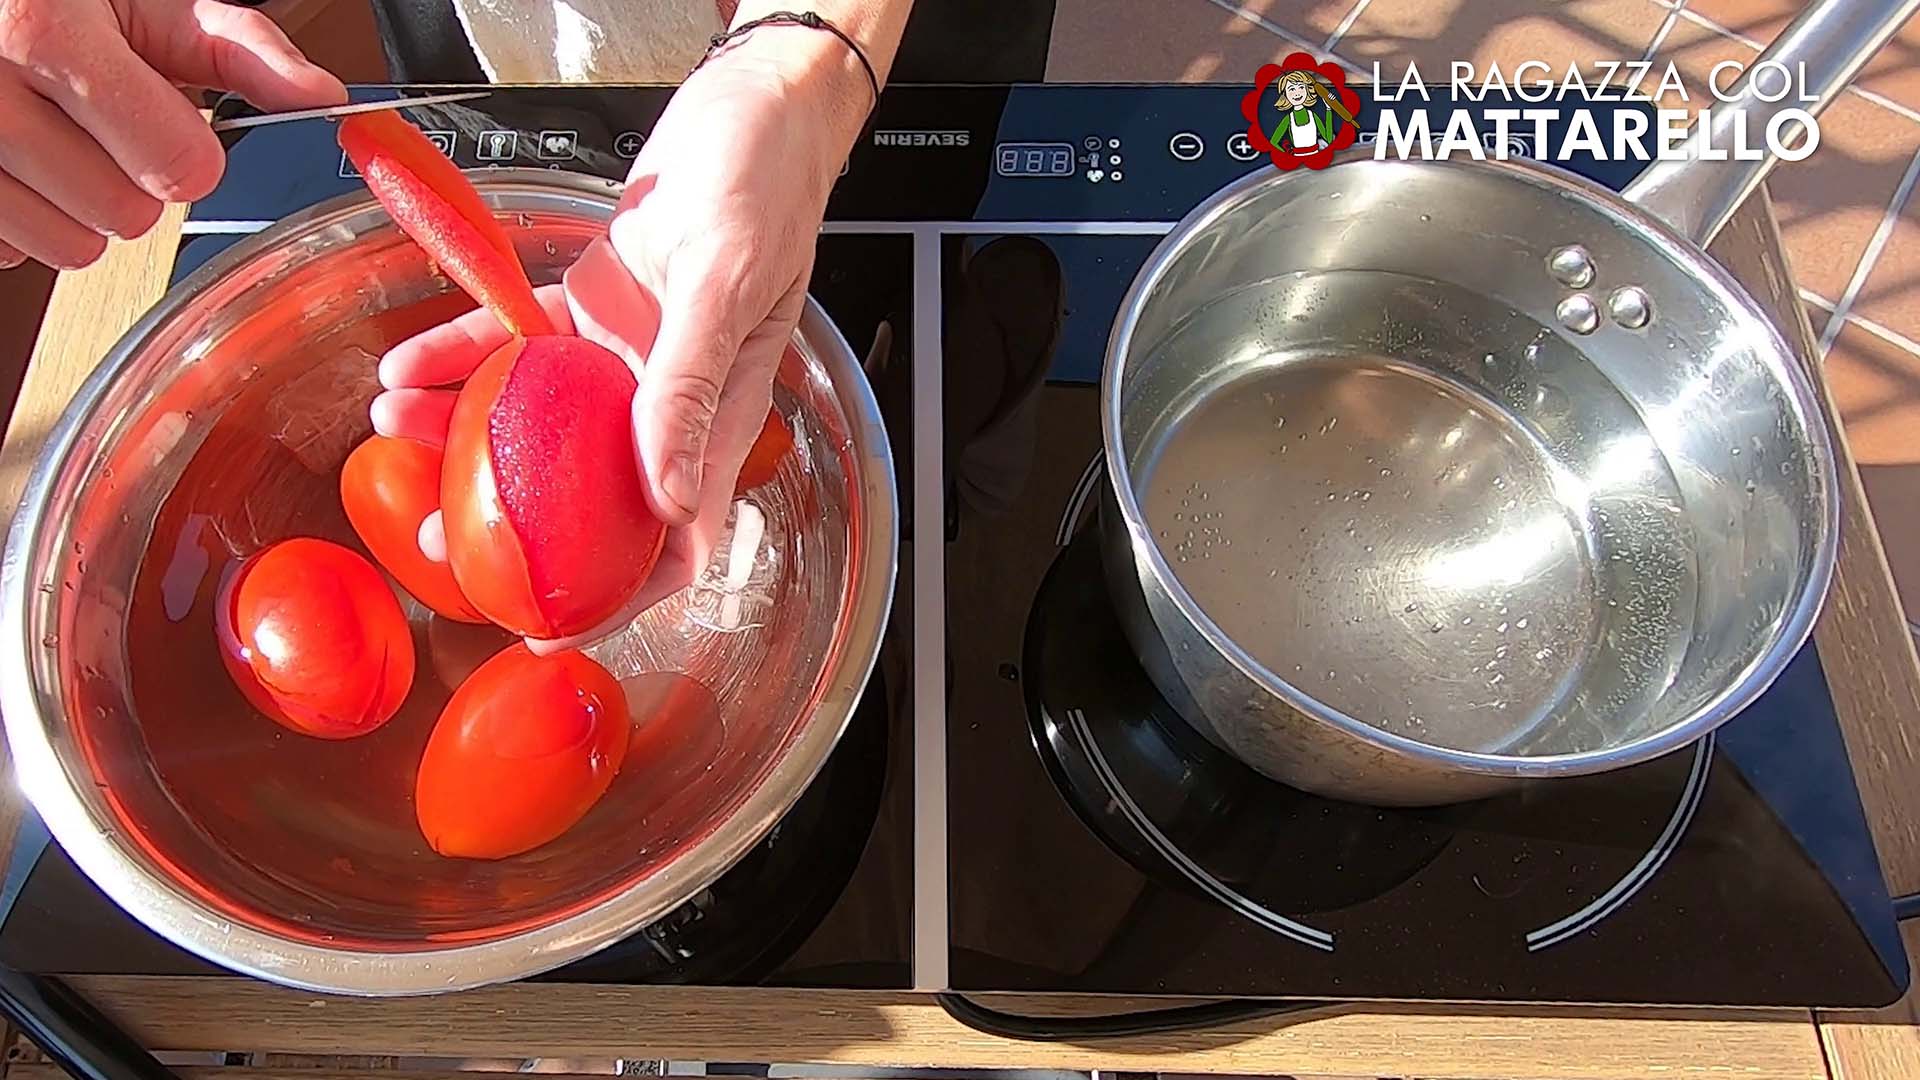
{"points": [[339, 35], [1891, 295], [1694, 50], [1830, 204], [1876, 386], [1433, 33], [1895, 73], [1179, 40], [1314, 20], [1757, 20]]}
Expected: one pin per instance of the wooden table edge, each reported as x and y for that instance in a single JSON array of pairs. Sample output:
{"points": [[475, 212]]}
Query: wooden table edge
{"points": [[92, 308]]}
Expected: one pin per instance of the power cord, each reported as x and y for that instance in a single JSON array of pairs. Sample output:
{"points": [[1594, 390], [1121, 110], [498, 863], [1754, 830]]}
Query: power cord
{"points": [[1118, 1025]]}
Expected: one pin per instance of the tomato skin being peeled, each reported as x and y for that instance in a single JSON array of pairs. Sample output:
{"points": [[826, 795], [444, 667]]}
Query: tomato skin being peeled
{"points": [[549, 531], [387, 487], [523, 750], [314, 638], [438, 207]]}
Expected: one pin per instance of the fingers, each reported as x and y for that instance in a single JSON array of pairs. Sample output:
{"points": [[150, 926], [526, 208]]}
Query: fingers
{"points": [[81, 61], [432, 537], [609, 307], [744, 404], [44, 149], [11, 256], [421, 415], [449, 352], [686, 551], [31, 224], [686, 372], [674, 410], [220, 45]]}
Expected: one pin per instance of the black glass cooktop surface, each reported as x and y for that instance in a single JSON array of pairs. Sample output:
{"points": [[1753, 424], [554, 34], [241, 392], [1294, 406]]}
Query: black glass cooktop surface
{"points": [[1071, 833], [1097, 843]]}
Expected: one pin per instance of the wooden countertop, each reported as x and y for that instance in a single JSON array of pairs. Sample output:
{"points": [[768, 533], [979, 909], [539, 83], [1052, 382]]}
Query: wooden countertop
{"points": [[1864, 644]]}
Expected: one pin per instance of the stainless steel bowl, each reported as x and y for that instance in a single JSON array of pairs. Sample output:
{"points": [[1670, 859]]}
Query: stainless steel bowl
{"points": [[217, 425]]}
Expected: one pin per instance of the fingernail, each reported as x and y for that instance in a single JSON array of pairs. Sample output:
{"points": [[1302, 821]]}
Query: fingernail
{"points": [[432, 537], [380, 414], [682, 482]]}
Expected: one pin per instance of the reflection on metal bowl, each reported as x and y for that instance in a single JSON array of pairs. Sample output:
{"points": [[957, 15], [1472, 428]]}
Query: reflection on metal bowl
{"points": [[218, 425]]}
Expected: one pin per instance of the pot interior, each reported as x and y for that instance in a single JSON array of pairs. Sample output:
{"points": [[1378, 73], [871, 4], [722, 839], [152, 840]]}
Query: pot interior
{"points": [[1372, 450], [224, 431]]}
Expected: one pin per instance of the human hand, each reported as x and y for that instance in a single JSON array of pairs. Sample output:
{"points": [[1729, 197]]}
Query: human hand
{"points": [[94, 136], [698, 287]]}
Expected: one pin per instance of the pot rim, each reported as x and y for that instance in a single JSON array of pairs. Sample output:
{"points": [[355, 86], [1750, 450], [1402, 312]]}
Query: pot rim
{"points": [[1709, 274], [29, 685]]}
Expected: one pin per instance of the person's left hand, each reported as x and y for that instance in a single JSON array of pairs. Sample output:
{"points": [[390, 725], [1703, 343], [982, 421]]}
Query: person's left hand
{"points": [[698, 286]]}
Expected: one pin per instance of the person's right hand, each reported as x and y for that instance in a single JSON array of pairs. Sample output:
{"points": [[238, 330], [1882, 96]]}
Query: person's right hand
{"points": [[94, 134]]}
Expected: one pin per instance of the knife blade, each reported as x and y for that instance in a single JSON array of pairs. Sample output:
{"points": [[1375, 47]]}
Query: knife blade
{"points": [[334, 111]]}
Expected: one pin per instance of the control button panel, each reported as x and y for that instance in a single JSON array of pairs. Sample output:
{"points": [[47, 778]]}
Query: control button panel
{"points": [[496, 144], [1101, 160], [558, 145]]}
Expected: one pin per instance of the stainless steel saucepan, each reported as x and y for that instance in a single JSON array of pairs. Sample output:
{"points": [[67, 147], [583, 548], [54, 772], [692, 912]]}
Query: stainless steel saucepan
{"points": [[1427, 477]]}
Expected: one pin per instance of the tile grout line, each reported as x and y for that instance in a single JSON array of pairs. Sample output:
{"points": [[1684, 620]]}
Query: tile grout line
{"points": [[1875, 245], [1816, 300], [1886, 333], [1278, 31], [1659, 39], [1885, 102], [1731, 34], [1724, 31], [1346, 24]]}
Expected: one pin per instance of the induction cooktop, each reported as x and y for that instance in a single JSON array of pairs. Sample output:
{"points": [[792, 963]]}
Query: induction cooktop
{"points": [[1014, 808]]}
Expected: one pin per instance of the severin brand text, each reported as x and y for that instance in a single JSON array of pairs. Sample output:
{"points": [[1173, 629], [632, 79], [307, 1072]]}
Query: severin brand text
{"points": [[921, 138]]}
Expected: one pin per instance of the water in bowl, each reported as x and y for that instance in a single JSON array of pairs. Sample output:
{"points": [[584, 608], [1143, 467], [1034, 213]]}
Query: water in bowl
{"points": [[317, 839]]}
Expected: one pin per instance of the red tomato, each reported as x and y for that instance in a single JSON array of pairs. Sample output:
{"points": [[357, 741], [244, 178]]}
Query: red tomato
{"points": [[314, 638], [435, 204], [548, 527], [387, 487], [523, 750], [770, 447], [676, 723]]}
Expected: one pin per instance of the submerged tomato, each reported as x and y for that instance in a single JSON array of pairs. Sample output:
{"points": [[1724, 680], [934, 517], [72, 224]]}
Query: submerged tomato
{"points": [[770, 448], [387, 487], [548, 527], [314, 638], [523, 750]]}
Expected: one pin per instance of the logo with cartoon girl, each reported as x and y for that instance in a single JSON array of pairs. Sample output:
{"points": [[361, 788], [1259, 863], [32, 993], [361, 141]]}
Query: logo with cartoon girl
{"points": [[1309, 112]]}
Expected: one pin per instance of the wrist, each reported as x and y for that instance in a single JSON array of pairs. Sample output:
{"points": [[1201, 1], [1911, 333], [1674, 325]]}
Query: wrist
{"points": [[814, 69]]}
